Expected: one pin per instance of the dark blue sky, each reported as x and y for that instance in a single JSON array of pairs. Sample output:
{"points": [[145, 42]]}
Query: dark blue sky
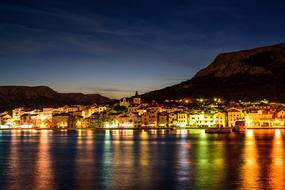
{"points": [[115, 47]]}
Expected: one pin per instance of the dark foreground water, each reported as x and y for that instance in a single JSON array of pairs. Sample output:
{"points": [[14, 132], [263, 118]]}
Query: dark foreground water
{"points": [[155, 159]]}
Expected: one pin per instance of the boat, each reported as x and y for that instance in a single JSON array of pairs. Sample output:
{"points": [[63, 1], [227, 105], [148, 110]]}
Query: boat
{"points": [[218, 129], [239, 127]]}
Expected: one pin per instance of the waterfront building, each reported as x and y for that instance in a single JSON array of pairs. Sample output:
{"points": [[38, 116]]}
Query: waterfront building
{"points": [[62, 120], [202, 119], [172, 119], [28, 119], [125, 121], [259, 118], [85, 123], [220, 119], [281, 114], [5, 119], [182, 119], [149, 118], [162, 119], [278, 122], [44, 118], [77, 121], [100, 120], [129, 120], [234, 114]]}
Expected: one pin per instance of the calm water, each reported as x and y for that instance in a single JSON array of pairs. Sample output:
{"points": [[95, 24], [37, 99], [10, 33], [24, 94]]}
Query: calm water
{"points": [[156, 159]]}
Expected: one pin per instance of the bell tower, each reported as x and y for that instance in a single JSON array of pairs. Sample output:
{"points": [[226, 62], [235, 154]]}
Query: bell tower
{"points": [[137, 99]]}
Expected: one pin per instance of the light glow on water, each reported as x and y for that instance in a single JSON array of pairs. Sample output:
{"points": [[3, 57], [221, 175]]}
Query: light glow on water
{"points": [[142, 159], [277, 166]]}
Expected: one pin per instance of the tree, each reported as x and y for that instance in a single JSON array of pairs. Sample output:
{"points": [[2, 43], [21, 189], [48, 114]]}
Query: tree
{"points": [[120, 109]]}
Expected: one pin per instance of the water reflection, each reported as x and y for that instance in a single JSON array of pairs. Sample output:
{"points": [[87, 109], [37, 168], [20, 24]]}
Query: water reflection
{"points": [[106, 169], [84, 158], [277, 169], [14, 164], [210, 162], [142, 159], [44, 175], [250, 167], [183, 158]]}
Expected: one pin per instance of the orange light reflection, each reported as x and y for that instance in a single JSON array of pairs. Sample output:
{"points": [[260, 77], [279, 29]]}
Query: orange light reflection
{"points": [[277, 169], [250, 169]]}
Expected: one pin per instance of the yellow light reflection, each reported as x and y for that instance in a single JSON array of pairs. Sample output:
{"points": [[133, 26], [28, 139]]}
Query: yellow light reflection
{"points": [[144, 135], [250, 169], [90, 133], [249, 134], [14, 162], [107, 157], [144, 154], [84, 158], [184, 162], [45, 176], [277, 169], [208, 161], [79, 136]]}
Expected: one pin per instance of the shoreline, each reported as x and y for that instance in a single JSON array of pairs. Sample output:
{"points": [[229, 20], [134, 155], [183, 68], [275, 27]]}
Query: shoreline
{"points": [[138, 129]]}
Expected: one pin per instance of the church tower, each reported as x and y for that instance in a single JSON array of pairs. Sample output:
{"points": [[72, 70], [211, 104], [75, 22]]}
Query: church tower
{"points": [[137, 99]]}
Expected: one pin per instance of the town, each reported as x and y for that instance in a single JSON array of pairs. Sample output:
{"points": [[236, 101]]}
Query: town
{"points": [[131, 113]]}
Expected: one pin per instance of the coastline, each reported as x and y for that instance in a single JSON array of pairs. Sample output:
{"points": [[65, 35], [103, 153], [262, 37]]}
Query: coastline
{"points": [[136, 129]]}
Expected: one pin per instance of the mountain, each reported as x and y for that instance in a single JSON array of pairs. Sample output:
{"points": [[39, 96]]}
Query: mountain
{"points": [[243, 75], [43, 96]]}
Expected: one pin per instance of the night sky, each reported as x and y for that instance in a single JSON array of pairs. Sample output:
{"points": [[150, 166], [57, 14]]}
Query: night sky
{"points": [[115, 47]]}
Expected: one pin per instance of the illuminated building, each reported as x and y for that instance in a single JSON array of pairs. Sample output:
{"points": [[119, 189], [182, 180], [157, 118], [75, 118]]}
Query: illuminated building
{"points": [[77, 121], [62, 120], [85, 123], [234, 115], [162, 119], [137, 99], [220, 119], [26, 119], [87, 112], [102, 109], [17, 113], [124, 102], [207, 119], [133, 109], [100, 120], [5, 118], [172, 119], [149, 118], [182, 119], [259, 118], [281, 114], [129, 121], [67, 109]]}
